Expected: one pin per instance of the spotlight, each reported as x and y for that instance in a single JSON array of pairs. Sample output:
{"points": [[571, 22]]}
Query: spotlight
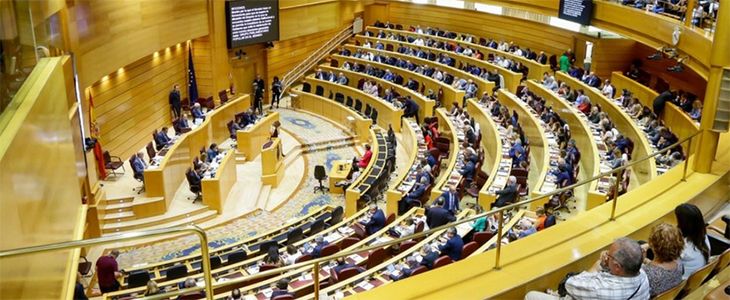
{"points": [[676, 68], [656, 56]]}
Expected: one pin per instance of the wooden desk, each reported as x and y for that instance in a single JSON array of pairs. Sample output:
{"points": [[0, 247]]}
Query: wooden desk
{"points": [[536, 69], [165, 179], [482, 84], [644, 171], [679, 122], [272, 167], [335, 112], [447, 129], [215, 190], [449, 94], [250, 139], [415, 146], [340, 170], [425, 105], [586, 141], [511, 79], [388, 114], [498, 150]]}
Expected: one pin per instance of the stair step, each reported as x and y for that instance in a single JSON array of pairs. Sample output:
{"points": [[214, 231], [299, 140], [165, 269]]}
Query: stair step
{"points": [[119, 207], [119, 215], [116, 201], [199, 218], [152, 221]]}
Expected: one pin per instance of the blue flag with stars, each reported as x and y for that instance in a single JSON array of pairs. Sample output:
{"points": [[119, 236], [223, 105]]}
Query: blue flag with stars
{"points": [[192, 84]]}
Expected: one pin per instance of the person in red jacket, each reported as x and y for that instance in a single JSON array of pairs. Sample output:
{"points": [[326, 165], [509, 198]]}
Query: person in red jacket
{"points": [[365, 159]]}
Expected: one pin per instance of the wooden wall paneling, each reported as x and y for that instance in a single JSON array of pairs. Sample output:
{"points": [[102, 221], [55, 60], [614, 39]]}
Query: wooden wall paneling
{"points": [[40, 199], [202, 58], [689, 80], [131, 103], [299, 21], [376, 12], [610, 55], [536, 36]]}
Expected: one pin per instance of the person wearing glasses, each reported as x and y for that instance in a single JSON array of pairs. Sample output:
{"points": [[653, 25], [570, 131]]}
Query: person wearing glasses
{"points": [[616, 275]]}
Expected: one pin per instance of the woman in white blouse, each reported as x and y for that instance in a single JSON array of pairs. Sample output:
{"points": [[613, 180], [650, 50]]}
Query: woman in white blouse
{"points": [[696, 251]]}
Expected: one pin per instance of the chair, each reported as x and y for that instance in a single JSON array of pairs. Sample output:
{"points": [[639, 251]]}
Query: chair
{"points": [[348, 241], [223, 95], [340, 98], [85, 267], [695, 280], [419, 227], [419, 270], [368, 109], [347, 273], [215, 262], [319, 90], [349, 101], [468, 249], [266, 267], [329, 250], [158, 146], [137, 278], [358, 105], [283, 297], [236, 256], [137, 176], [185, 104], [374, 116], [722, 261], [407, 245], [150, 151], [319, 174], [442, 261], [316, 227], [336, 216], [389, 219], [265, 246], [194, 188], [375, 258], [303, 258], [334, 63], [306, 87], [113, 163], [176, 271], [482, 237], [294, 235], [670, 294]]}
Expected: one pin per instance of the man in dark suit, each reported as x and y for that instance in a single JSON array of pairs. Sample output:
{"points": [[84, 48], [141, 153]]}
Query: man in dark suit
{"points": [[453, 246], [415, 195], [197, 112], [405, 272], [469, 169], [174, 99], [138, 166], [450, 200], [213, 152], [377, 220], [193, 178], [282, 288], [507, 195], [162, 139], [428, 256], [438, 215], [342, 264], [542, 58], [410, 108], [319, 244]]}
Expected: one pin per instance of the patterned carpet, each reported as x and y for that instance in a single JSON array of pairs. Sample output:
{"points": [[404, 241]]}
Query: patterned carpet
{"points": [[308, 129]]}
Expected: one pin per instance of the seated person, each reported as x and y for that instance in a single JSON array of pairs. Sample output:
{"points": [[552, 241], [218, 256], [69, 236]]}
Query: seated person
{"points": [[410, 108], [414, 195], [376, 220], [405, 228], [291, 255], [342, 264], [665, 270], [437, 215], [213, 152], [354, 174], [190, 283], [365, 159], [182, 122], [616, 275], [272, 258], [404, 272], [508, 195], [319, 244], [453, 245], [197, 112], [468, 170], [282, 288], [541, 217], [522, 229], [138, 166], [428, 256]]}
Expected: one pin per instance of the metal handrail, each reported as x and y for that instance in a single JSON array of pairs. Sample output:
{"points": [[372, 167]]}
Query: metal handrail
{"points": [[209, 286], [125, 237], [316, 262]]}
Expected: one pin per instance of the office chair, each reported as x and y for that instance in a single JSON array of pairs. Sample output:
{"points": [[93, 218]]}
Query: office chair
{"points": [[195, 188], [319, 174], [176, 271], [138, 278], [137, 176], [223, 95], [113, 163]]}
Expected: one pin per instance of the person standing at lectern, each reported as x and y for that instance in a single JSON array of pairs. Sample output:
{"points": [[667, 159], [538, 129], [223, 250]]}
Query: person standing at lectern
{"points": [[175, 101]]}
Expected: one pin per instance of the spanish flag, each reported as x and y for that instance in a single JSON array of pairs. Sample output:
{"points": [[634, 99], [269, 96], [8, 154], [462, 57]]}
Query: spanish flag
{"points": [[94, 132]]}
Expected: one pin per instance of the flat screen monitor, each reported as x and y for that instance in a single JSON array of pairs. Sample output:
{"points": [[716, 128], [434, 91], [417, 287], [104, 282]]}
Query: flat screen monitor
{"points": [[579, 11], [252, 21]]}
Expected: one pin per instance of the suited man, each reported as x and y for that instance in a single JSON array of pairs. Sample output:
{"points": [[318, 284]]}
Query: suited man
{"points": [[405, 272], [469, 169], [377, 220], [162, 139], [174, 100], [319, 244], [450, 200], [438, 215], [182, 123], [453, 246], [592, 80], [410, 108], [414, 195], [138, 166], [212, 152], [193, 178], [342, 264], [428, 255], [507, 195], [542, 58]]}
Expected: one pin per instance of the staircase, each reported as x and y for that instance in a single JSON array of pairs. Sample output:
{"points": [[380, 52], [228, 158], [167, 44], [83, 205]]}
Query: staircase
{"points": [[299, 70], [118, 215]]}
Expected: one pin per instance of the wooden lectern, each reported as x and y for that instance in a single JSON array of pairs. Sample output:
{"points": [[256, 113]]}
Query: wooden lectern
{"points": [[272, 157]]}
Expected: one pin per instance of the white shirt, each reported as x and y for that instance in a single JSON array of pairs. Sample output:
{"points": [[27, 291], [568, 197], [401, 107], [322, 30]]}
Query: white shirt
{"points": [[692, 259], [607, 90]]}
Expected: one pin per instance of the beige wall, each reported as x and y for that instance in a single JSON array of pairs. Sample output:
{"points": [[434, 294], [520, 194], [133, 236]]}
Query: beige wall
{"points": [[40, 199]]}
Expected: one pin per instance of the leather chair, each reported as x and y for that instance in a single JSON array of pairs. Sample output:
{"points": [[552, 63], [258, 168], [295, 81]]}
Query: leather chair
{"points": [[150, 151], [407, 245], [176, 271], [482, 237], [215, 262], [195, 188], [303, 258], [113, 163], [336, 216], [389, 219], [468, 249], [329, 250], [223, 95], [236, 256], [419, 270], [316, 227], [442, 261], [319, 91], [283, 297], [348, 241], [320, 174], [347, 273], [294, 235], [137, 278], [375, 258]]}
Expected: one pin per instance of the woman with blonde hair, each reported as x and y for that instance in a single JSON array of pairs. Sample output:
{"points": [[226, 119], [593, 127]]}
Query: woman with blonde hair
{"points": [[665, 269], [152, 288]]}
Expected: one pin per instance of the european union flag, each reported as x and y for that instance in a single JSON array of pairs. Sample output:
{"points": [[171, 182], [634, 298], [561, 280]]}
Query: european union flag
{"points": [[192, 84]]}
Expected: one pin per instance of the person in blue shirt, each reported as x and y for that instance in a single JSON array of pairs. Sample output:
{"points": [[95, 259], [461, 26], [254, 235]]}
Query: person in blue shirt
{"points": [[453, 245], [319, 244], [162, 139], [515, 148], [563, 177], [428, 256], [377, 220], [138, 166], [212, 152], [469, 169], [414, 195], [282, 288], [431, 160]]}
